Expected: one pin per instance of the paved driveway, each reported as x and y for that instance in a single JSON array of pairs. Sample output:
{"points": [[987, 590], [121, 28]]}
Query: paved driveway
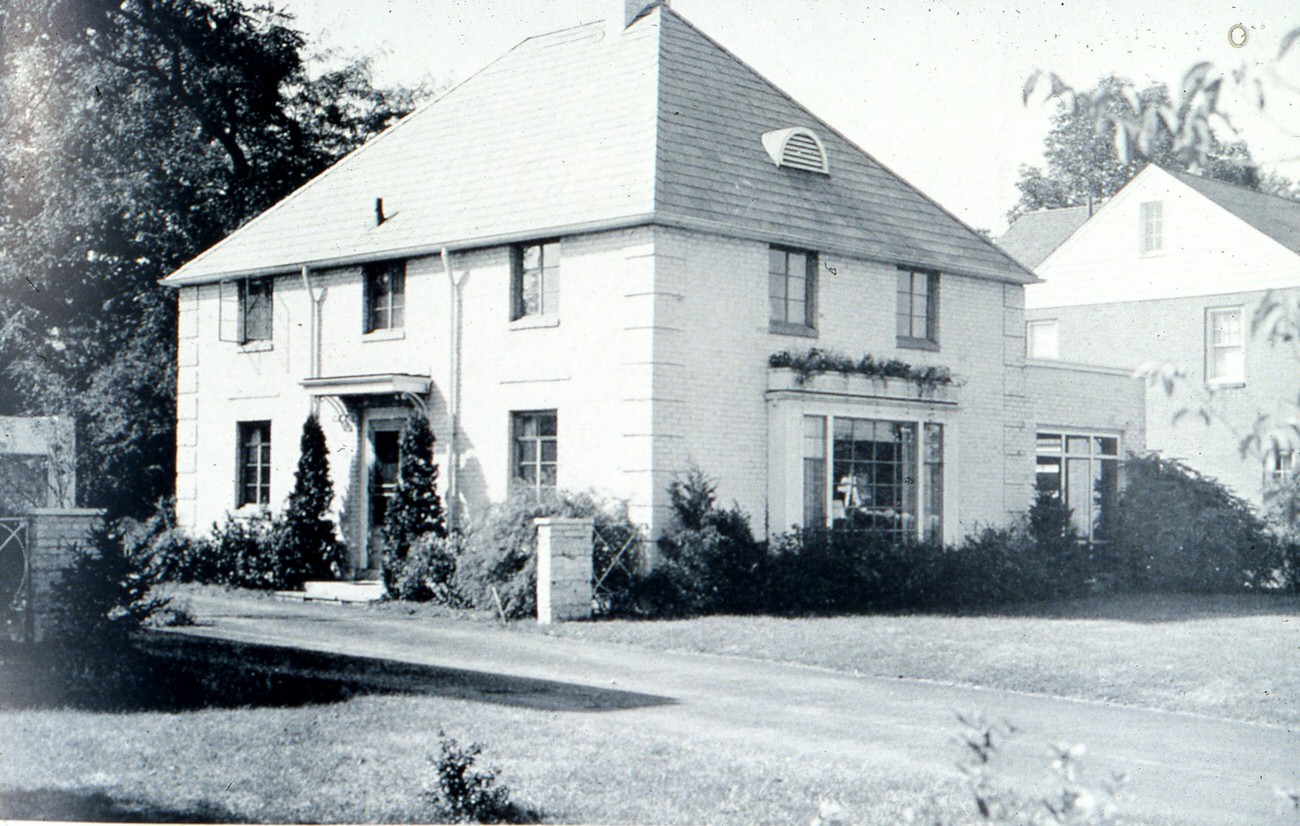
{"points": [[1182, 768]]}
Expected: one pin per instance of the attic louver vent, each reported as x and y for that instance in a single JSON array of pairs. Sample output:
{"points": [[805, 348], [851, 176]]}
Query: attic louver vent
{"points": [[797, 148]]}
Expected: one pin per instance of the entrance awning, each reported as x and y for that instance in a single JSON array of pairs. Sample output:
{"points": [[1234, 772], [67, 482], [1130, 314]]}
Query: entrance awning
{"points": [[371, 384]]}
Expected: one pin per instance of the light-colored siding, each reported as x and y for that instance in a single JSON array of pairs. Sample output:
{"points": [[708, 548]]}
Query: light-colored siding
{"points": [[1206, 250], [1173, 331]]}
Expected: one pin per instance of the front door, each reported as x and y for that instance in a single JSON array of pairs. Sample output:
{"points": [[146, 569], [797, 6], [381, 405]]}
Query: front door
{"points": [[383, 438]]}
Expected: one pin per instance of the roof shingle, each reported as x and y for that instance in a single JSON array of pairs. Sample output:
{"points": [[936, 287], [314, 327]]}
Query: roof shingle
{"points": [[1035, 235], [580, 130]]}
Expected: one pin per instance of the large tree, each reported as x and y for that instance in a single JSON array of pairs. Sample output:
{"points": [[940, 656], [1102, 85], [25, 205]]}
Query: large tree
{"points": [[1084, 163], [133, 135]]}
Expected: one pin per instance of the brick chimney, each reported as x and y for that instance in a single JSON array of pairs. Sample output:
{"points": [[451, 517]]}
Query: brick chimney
{"points": [[628, 11]]}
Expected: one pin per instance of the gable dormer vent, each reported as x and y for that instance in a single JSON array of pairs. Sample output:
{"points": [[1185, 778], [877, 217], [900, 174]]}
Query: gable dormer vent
{"points": [[797, 148]]}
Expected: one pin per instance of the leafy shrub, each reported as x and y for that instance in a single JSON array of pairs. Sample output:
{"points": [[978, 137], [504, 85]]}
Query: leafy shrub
{"points": [[416, 508], [303, 540], [242, 553], [710, 560], [466, 794], [500, 550], [1178, 530], [429, 571], [98, 603]]}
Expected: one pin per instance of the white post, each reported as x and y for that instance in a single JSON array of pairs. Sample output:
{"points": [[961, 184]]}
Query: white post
{"points": [[563, 569]]}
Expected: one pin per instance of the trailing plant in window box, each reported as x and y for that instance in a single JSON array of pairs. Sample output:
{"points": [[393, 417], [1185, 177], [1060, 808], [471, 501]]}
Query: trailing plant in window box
{"points": [[817, 361]]}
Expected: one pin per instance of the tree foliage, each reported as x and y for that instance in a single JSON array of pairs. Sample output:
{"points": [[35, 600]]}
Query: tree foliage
{"points": [[416, 508], [1085, 165], [133, 135]]}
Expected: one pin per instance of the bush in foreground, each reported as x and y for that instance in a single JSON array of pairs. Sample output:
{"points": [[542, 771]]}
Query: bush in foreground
{"points": [[468, 794], [99, 603]]}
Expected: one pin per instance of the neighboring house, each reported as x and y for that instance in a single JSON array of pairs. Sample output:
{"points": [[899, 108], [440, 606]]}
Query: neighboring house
{"points": [[1174, 269], [579, 262], [37, 463]]}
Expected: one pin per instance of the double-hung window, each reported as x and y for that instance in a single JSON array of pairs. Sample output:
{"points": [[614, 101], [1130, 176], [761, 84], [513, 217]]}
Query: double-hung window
{"points": [[1152, 227], [918, 308], [792, 289], [873, 474], [254, 464], [1225, 346], [534, 437], [1282, 464], [535, 280], [246, 310], [385, 296]]}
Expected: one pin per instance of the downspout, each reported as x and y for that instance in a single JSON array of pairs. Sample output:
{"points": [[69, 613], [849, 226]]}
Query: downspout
{"points": [[313, 334], [454, 282]]}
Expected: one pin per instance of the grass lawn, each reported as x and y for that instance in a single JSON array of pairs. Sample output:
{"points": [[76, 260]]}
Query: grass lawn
{"points": [[297, 748], [1235, 657], [268, 738]]}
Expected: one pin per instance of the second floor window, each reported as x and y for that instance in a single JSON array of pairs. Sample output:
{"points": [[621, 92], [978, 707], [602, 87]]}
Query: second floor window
{"points": [[385, 295], [1225, 350], [255, 309], [1152, 227], [254, 464], [791, 287], [918, 308], [535, 280]]}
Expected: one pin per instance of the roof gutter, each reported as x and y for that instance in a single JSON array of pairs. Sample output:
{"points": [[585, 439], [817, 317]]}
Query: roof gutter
{"points": [[179, 279]]}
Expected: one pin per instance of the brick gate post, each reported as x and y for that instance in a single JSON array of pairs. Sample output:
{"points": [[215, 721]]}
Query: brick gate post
{"points": [[563, 568]]}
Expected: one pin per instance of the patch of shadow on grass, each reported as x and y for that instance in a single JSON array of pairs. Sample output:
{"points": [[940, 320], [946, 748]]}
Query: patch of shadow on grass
{"points": [[176, 673], [93, 805], [1155, 607]]}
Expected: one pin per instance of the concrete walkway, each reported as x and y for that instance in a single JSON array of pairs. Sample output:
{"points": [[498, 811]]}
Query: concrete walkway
{"points": [[1181, 768]]}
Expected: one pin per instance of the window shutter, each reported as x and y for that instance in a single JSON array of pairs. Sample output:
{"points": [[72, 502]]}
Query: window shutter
{"points": [[231, 323]]}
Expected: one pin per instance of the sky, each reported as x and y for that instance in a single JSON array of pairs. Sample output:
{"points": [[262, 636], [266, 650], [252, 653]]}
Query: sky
{"points": [[933, 90]]}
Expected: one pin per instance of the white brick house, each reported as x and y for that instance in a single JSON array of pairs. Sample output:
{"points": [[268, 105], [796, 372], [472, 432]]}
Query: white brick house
{"points": [[580, 261], [1173, 270]]}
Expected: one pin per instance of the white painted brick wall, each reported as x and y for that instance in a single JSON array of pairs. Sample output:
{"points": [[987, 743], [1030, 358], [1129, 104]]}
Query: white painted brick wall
{"points": [[659, 358]]}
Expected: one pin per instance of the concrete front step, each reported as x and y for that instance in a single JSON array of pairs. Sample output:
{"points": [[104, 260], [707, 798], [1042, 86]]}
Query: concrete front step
{"points": [[362, 591]]}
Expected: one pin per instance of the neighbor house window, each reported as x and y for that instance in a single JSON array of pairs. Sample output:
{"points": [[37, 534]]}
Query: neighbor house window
{"points": [[385, 296], [1152, 228], [535, 280], [1282, 465], [1082, 470], [1225, 351], [535, 442], [1041, 339], [791, 288], [876, 478], [918, 308], [254, 464], [255, 309]]}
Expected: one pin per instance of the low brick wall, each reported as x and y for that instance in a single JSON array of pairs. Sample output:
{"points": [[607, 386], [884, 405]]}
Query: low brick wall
{"points": [[563, 569], [54, 537]]}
